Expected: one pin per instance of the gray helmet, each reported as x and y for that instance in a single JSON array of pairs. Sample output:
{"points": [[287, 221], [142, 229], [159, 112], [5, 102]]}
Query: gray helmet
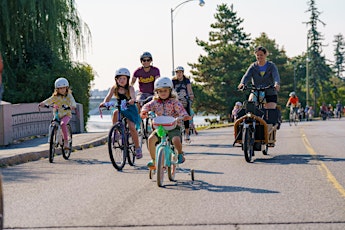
{"points": [[145, 55], [179, 68], [292, 94]]}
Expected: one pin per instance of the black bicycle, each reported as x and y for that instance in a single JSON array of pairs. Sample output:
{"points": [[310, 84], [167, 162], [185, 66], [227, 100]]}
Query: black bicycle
{"points": [[120, 142], [252, 128], [55, 135], [145, 125]]}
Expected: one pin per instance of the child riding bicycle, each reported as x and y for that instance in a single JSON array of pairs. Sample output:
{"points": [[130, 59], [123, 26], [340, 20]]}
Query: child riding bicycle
{"points": [[62, 97], [123, 91], [165, 103], [293, 103]]}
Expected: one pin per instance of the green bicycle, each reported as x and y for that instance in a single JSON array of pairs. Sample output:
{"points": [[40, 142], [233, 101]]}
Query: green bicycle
{"points": [[166, 156]]}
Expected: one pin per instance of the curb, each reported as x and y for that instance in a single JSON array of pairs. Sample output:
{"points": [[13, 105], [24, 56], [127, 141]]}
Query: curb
{"points": [[34, 156]]}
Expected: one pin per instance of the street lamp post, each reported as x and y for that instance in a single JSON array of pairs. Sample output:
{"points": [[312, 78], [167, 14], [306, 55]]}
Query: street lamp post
{"points": [[307, 73], [201, 3]]}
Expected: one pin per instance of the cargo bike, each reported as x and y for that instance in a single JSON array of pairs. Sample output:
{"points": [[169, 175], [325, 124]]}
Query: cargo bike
{"points": [[256, 127]]}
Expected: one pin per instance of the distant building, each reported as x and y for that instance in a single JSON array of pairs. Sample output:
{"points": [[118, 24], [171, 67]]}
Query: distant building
{"points": [[98, 94]]}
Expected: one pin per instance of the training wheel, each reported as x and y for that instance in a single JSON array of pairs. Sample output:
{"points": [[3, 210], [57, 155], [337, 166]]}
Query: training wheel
{"points": [[192, 174], [151, 173]]}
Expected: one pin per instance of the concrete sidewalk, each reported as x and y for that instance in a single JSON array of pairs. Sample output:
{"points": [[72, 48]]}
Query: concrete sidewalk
{"points": [[37, 148]]}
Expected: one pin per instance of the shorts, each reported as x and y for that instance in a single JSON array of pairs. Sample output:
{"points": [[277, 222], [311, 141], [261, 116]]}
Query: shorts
{"points": [[271, 98], [176, 132], [142, 96]]}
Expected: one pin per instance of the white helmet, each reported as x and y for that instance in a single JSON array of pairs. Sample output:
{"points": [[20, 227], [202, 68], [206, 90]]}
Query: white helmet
{"points": [[122, 72], [238, 103], [61, 82], [292, 94], [163, 82], [179, 68]]}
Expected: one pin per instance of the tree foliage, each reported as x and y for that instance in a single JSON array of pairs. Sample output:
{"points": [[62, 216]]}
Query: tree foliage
{"points": [[38, 39], [219, 71], [229, 51], [339, 55]]}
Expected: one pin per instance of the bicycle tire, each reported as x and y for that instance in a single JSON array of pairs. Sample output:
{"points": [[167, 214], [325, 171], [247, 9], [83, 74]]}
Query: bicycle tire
{"points": [[52, 145], [146, 132], [67, 153], [295, 119], [172, 168], [290, 119], [117, 148], [131, 149], [247, 146], [141, 134], [160, 166]]}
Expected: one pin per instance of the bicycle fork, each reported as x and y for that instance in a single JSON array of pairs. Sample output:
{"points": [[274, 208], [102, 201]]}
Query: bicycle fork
{"points": [[167, 154], [251, 128]]}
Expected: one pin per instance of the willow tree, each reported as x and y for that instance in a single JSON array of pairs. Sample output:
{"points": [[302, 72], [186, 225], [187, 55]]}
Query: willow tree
{"points": [[38, 40], [218, 72]]}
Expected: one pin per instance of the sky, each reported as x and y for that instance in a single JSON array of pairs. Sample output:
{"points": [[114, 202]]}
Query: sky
{"points": [[123, 29]]}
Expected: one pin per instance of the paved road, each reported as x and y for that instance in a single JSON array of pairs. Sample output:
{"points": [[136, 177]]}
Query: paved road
{"points": [[299, 185]]}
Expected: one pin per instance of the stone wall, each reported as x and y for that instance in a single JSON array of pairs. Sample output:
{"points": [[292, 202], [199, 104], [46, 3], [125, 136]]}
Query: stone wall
{"points": [[19, 121]]}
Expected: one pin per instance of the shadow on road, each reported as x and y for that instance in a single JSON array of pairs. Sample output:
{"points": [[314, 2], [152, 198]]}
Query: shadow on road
{"points": [[298, 159], [211, 145], [203, 185]]}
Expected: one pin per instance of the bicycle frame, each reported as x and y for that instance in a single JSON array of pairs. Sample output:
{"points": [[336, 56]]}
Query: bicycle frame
{"points": [[169, 150], [126, 148], [166, 148], [55, 136]]}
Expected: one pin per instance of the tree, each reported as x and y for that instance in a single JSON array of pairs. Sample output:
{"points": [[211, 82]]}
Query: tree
{"points": [[339, 55], [320, 72], [38, 39], [218, 73]]}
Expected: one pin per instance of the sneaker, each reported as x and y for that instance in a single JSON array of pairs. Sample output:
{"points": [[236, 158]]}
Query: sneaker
{"points": [[151, 164], [187, 138], [180, 158], [138, 153]]}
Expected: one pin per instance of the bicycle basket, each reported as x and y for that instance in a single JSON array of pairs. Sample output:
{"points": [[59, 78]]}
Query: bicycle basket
{"points": [[249, 106], [167, 122]]}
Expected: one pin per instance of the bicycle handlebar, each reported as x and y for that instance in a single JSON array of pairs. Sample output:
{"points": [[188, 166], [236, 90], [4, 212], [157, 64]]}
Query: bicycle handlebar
{"points": [[254, 88]]}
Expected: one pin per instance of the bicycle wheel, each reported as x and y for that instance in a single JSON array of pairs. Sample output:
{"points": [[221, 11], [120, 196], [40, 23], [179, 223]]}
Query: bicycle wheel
{"points": [[131, 150], [52, 143], [247, 145], [160, 166], [67, 153], [141, 134], [116, 147], [172, 169], [147, 131], [296, 119], [290, 119]]}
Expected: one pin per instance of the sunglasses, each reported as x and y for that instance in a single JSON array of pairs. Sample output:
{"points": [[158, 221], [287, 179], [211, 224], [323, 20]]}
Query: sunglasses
{"points": [[146, 60]]}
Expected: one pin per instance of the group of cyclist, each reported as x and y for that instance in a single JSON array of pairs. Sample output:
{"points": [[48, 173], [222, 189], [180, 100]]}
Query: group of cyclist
{"points": [[327, 111], [169, 98], [173, 97]]}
